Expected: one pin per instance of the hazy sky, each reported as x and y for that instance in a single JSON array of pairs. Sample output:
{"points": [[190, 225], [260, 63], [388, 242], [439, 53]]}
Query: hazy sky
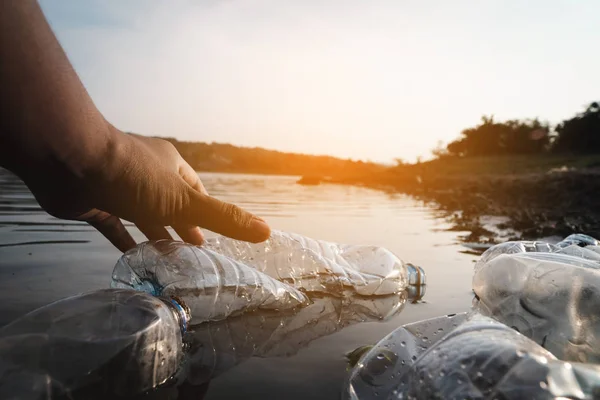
{"points": [[366, 79]]}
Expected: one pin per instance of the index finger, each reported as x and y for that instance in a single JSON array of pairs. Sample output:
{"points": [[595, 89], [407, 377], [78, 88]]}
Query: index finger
{"points": [[224, 218]]}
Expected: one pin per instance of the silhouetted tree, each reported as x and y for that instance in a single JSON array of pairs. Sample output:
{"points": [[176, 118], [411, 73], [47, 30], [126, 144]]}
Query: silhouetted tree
{"points": [[580, 134], [493, 138], [440, 150]]}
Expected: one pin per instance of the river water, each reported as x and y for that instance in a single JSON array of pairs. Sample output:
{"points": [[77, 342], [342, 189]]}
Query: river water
{"points": [[43, 259]]}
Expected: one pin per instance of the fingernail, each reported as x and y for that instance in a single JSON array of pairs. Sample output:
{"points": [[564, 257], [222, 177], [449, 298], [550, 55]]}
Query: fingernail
{"points": [[200, 239], [260, 228]]}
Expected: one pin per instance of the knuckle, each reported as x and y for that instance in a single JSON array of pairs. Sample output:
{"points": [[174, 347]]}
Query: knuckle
{"points": [[237, 215], [164, 145], [169, 146], [105, 220]]}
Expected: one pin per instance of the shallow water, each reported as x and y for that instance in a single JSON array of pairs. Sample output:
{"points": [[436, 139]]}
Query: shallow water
{"points": [[43, 259]]}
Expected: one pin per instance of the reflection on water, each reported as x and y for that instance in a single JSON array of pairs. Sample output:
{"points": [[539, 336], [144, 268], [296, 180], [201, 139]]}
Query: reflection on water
{"points": [[215, 348], [43, 259]]}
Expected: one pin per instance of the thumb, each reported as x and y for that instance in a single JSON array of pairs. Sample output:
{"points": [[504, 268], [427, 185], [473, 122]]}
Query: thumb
{"points": [[224, 218]]}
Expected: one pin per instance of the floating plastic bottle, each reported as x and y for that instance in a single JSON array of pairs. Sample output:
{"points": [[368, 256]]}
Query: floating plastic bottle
{"points": [[551, 296], [321, 266], [578, 239], [120, 342], [213, 286], [226, 277], [466, 357], [577, 245]]}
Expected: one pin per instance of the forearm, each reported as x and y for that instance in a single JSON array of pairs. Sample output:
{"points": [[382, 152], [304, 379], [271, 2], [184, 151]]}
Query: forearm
{"points": [[47, 119]]}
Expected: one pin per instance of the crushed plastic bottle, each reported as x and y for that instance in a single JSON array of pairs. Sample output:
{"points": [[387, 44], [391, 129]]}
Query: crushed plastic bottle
{"points": [[122, 342], [321, 266], [213, 286], [549, 293], [466, 357], [578, 239], [225, 277], [578, 245], [216, 347], [514, 248]]}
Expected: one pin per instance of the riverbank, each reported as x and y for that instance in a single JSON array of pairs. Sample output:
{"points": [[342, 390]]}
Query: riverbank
{"points": [[539, 196]]}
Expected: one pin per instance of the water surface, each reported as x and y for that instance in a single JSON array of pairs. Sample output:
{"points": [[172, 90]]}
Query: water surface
{"points": [[43, 259]]}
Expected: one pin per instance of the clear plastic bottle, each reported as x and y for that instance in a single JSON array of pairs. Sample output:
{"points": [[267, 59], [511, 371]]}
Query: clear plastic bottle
{"points": [[552, 297], [466, 357], [321, 266], [120, 342], [577, 244], [578, 239], [226, 277], [213, 286], [515, 247]]}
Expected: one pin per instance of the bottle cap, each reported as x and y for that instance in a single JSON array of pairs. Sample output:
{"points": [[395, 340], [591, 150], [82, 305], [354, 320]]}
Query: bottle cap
{"points": [[416, 275], [416, 282], [180, 310], [415, 293]]}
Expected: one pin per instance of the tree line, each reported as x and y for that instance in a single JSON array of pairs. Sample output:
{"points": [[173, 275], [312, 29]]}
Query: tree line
{"points": [[222, 157], [577, 135]]}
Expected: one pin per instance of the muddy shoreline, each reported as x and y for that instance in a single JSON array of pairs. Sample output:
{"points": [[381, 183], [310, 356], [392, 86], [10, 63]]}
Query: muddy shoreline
{"points": [[534, 205]]}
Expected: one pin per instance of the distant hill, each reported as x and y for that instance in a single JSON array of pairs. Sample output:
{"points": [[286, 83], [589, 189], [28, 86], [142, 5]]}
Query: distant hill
{"points": [[219, 157]]}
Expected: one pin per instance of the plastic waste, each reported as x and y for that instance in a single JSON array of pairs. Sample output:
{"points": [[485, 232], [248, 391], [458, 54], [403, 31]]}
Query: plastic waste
{"points": [[213, 286], [119, 341], [216, 347], [466, 357], [549, 293], [226, 277], [578, 239], [572, 245], [321, 266]]}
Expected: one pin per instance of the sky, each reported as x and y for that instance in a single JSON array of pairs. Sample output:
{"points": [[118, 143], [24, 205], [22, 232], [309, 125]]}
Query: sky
{"points": [[362, 79]]}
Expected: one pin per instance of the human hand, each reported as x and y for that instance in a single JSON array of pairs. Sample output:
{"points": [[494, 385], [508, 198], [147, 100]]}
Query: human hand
{"points": [[143, 180], [79, 166]]}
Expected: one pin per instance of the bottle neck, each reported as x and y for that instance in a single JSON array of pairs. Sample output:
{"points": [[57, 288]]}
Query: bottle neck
{"points": [[180, 311], [416, 275], [416, 282]]}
